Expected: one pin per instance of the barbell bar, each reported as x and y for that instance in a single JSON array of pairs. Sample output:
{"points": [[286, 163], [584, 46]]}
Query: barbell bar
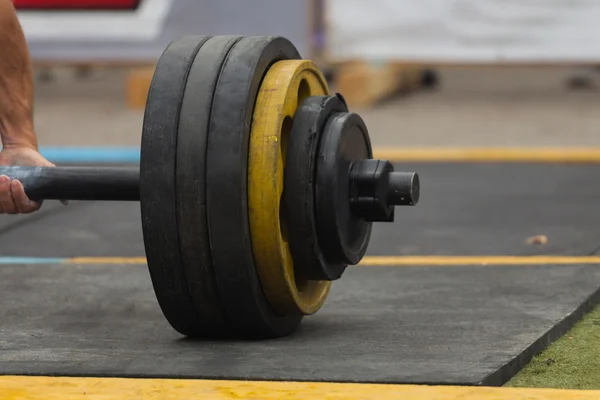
{"points": [[103, 183], [77, 183]]}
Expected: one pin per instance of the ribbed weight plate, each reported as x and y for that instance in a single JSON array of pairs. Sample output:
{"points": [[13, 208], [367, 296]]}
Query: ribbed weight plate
{"points": [[227, 172], [192, 143], [158, 200], [283, 88]]}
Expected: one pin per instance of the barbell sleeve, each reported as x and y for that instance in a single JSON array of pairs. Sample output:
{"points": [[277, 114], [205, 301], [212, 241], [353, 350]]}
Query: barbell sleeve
{"points": [[77, 183]]}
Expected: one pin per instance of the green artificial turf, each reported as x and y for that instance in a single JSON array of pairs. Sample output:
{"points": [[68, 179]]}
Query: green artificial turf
{"points": [[572, 362]]}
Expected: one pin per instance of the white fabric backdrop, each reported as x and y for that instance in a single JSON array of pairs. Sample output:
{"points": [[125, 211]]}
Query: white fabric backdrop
{"points": [[468, 31]]}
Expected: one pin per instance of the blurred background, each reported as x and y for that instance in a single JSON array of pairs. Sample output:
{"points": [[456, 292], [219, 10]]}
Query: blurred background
{"points": [[422, 73]]}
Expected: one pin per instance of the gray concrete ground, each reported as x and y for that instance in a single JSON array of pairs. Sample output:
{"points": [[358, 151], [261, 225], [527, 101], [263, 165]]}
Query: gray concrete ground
{"points": [[473, 107]]}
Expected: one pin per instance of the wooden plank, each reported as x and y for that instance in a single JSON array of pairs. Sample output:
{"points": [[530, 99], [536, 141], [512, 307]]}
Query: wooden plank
{"points": [[137, 86], [365, 84]]}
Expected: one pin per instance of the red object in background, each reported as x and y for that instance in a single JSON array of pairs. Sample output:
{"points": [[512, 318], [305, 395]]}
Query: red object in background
{"points": [[76, 4]]}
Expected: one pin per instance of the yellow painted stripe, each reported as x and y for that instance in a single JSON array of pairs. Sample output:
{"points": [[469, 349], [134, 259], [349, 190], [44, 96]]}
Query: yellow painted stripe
{"points": [[474, 260], [393, 261], [493, 154], [47, 388]]}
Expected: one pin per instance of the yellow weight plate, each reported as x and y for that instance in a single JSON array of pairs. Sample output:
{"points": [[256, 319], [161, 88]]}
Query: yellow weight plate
{"points": [[284, 87]]}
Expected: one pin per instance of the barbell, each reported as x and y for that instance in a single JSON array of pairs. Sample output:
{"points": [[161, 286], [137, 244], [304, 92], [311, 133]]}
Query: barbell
{"points": [[257, 186]]}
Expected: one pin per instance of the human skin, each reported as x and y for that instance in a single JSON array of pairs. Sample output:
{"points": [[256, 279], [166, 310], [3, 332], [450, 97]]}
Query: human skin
{"points": [[19, 141]]}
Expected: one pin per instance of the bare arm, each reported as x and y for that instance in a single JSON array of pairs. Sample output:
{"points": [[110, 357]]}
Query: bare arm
{"points": [[16, 82], [19, 142]]}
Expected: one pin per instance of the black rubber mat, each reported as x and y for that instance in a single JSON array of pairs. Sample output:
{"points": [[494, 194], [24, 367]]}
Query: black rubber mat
{"points": [[465, 209], [456, 325], [453, 325], [491, 209]]}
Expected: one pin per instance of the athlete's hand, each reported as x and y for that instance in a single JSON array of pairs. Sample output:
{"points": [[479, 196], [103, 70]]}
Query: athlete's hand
{"points": [[13, 199]]}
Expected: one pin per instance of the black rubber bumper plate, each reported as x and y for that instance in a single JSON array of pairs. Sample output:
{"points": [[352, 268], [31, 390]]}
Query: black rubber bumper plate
{"points": [[158, 189], [455, 325], [245, 305]]}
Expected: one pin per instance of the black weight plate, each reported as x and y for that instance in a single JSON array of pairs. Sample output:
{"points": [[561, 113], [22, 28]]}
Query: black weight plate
{"points": [[299, 195], [343, 237], [227, 173], [191, 183], [158, 200]]}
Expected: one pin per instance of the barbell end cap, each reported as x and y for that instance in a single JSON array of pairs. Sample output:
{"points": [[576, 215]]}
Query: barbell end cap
{"points": [[375, 190], [403, 188]]}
